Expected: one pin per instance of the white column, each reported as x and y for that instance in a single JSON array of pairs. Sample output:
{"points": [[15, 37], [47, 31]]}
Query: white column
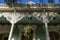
{"points": [[47, 32], [11, 32]]}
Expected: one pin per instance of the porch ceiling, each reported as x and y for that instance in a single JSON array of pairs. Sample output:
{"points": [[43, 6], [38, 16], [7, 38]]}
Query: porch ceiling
{"points": [[26, 20]]}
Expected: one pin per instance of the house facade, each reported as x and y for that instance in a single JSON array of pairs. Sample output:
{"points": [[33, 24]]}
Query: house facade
{"points": [[30, 21]]}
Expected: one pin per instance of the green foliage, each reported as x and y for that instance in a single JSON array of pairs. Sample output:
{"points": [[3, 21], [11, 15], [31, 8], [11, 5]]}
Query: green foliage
{"points": [[11, 1], [27, 29], [28, 32]]}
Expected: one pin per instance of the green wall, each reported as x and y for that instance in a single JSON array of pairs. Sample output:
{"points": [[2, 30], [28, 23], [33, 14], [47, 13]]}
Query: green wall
{"points": [[15, 33], [40, 33]]}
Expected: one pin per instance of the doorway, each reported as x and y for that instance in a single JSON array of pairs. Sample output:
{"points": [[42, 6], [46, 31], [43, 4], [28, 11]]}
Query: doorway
{"points": [[54, 35], [4, 36]]}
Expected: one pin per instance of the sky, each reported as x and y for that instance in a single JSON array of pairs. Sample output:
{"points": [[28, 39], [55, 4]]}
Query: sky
{"points": [[36, 1]]}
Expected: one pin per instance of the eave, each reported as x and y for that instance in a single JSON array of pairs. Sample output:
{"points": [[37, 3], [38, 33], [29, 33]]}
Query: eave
{"points": [[30, 9], [21, 8]]}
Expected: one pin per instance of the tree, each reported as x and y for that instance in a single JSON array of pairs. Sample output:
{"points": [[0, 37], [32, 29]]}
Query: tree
{"points": [[41, 1], [51, 1], [11, 1]]}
